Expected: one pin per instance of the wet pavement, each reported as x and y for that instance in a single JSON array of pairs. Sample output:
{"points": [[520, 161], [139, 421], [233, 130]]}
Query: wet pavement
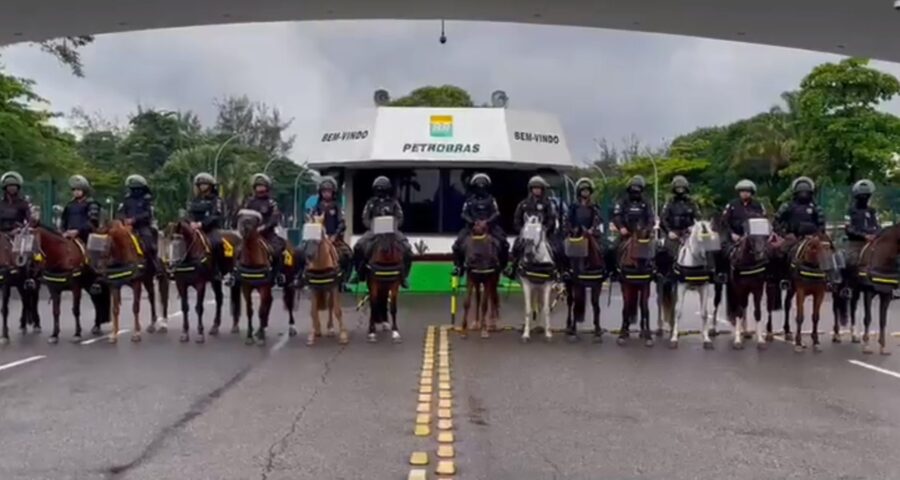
{"points": [[161, 409]]}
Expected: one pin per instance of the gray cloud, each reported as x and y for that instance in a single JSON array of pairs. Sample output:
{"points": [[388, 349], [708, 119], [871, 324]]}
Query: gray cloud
{"points": [[599, 82]]}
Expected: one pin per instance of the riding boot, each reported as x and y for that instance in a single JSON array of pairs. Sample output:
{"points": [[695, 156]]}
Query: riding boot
{"points": [[407, 266], [278, 269], [459, 262]]}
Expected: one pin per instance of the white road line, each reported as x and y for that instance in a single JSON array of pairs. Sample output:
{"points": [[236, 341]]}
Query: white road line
{"points": [[178, 314], [281, 343], [22, 362], [874, 368], [104, 337]]}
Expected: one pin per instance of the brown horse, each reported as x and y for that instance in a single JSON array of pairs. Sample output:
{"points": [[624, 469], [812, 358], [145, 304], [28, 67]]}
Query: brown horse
{"points": [[587, 270], [193, 263], [878, 276], [15, 272], [253, 272], [635, 264], [119, 260], [748, 266], [385, 272], [323, 276], [810, 279], [65, 267], [482, 278]]}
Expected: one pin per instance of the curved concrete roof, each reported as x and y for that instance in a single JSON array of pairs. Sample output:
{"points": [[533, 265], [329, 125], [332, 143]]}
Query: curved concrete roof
{"points": [[853, 27]]}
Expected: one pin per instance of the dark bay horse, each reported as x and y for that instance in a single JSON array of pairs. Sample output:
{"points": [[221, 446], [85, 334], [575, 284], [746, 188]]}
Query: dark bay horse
{"points": [[193, 264], [636, 271], [117, 257], [385, 270], [16, 254], [586, 271], [748, 263], [253, 272], [482, 278], [878, 276], [810, 265], [64, 266], [322, 275]]}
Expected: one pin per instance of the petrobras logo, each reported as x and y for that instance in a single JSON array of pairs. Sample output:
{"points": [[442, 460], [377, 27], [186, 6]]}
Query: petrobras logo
{"points": [[442, 126]]}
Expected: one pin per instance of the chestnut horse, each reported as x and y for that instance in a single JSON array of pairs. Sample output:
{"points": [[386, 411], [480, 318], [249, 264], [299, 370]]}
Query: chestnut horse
{"points": [[192, 264], [878, 276], [586, 270], [482, 278], [65, 267], [385, 271], [635, 264], [15, 272], [811, 261], [253, 271], [323, 276]]}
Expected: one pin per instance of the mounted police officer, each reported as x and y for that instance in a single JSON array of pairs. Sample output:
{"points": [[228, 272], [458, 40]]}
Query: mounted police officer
{"points": [[584, 215], [801, 216], [678, 215], [206, 212], [81, 216], [633, 211], [739, 211], [863, 225], [538, 204], [15, 209], [382, 204], [261, 201], [480, 207], [329, 208], [136, 210]]}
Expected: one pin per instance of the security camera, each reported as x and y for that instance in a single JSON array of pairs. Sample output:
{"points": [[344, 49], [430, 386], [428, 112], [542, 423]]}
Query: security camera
{"points": [[443, 38]]}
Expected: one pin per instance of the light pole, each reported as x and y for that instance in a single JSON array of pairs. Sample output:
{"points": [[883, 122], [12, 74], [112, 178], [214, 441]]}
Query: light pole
{"points": [[655, 185], [219, 153], [303, 170], [269, 163]]}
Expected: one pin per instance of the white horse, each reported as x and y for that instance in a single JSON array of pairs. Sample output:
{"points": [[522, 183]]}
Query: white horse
{"points": [[536, 274], [695, 275]]}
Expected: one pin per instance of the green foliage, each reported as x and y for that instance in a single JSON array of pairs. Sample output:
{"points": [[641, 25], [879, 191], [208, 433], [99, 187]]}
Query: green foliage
{"points": [[443, 96]]}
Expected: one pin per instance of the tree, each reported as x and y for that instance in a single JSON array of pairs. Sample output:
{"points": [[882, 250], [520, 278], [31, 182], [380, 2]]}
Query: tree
{"points": [[67, 51], [256, 124], [443, 96], [153, 136]]}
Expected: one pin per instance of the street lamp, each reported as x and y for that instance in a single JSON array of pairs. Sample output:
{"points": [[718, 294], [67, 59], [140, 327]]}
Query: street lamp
{"points": [[303, 170], [109, 204], [655, 186], [269, 163], [219, 152]]}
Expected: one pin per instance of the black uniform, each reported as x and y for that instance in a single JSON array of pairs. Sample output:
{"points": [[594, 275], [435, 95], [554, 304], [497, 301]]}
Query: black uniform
{"points": [[378, 207], [587, 217], [480, 208], [737, 213], [271, 218], [863, 221], [632, 212], [335, 226], [14, 212], [138, 206], [799, 218], [679, 214], [82, 215], [208, 210]]}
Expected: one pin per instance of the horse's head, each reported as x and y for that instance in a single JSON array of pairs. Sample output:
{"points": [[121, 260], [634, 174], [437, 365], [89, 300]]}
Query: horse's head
{"points": [[23, 246], [318, 250], [816, 251], [479, 228], [534, 239], [248, 221]]}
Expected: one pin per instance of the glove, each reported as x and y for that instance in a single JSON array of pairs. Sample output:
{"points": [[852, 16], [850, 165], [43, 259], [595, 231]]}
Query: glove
{"points": [[673, 236], [735, 237]]}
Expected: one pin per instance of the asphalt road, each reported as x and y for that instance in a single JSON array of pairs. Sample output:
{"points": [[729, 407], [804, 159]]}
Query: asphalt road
{"points": [[161, 409]]}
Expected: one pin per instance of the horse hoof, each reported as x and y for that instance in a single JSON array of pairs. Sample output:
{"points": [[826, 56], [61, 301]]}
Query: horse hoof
{"points": [[485, 334], [526, 338], [770, 338], [799, 349], [884, 351], [598, 338], [96, 331], [572, 337], [372, 338], [707, 345], [162, 329], [395, 337], [737, 346], [673, 344], [184, 338], [385, 327], [816, 348], [762, 346], [113, 339], [151, 328], [621, 341], [658, 332], [836, 339], [854, 339], [4, 341], [292, 332], [261, 342], [343, 338], [648, 343], [249, 341], [788, 337], [200, 339], [214, 330], [235, 329], [76, 339], [136, 338], [36, 330], [53, 340], [713, 332]]}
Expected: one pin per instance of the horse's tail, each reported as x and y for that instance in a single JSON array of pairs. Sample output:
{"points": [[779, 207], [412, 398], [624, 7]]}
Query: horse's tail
{"points": [[667, 298], [731, 302], [163, 288], [774, 299]]}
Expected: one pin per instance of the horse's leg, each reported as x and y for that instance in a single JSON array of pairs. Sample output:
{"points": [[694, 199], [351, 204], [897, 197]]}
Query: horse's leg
{"points": [[644, 296], [786, 328], [56, 299], [316, 298], [76, 311], [761, 343], [495, 302], [739, 311], [374, 307], [182, 288], [235, 297], [526, 292], [718, 288], [25, 300], [116, 293], [884, 302], [220, 300], [334, 304], [680, 295], [479, 318], [200, 287], [800, 300], [136, 310], [628, 306], [595, 309], [485, 303], [854, 303], [265, 307], [290, 294], [578, 292], [705, 316], [393, 294], [247, 293], [546, 290], [818, 297], [4, 310], [163, 286], [33, 296], [466, 305], [150, 286], [839, 312], [102, 307], [667, 297]]}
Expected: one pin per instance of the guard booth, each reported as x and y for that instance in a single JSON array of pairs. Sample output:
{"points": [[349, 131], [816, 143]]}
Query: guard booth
{"points": [[430, 154]]}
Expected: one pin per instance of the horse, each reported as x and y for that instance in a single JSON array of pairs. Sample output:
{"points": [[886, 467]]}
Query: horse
{"points": [[536, 274], [192, 263], [16, 253], [323, 275], [118, 259], [65, 266], [253, 272], [878, 275], [385, 270], [694, 270], [482, 278], [748, 269], [811, 261], [587, 270], [636, 269]]}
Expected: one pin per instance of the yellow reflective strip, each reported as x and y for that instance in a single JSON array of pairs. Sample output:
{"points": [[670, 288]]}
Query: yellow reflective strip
{"points": [[327, 280], [753, 272], [122, 274], [137, 245], [483, 270], [478, 237], [889, 281], [694, 279], [590, 277], [812, 274], [389, 273], [536, 274], [637, 277], [228, 248]]}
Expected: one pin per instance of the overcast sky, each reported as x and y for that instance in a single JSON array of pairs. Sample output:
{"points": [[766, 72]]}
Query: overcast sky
{"points": [[601, 83]]}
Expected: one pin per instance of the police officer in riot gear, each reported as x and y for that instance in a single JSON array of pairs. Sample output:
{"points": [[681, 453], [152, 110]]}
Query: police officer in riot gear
{"points": [[136, 210], [678, 215], [15, 209], [633, 211], [800, 217], [863, 225], [538, 204], [382, 204], [480, 207], [584, 215], [740, 210], [262, 202], [206, 213], [81, 216], [329, 208]]}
